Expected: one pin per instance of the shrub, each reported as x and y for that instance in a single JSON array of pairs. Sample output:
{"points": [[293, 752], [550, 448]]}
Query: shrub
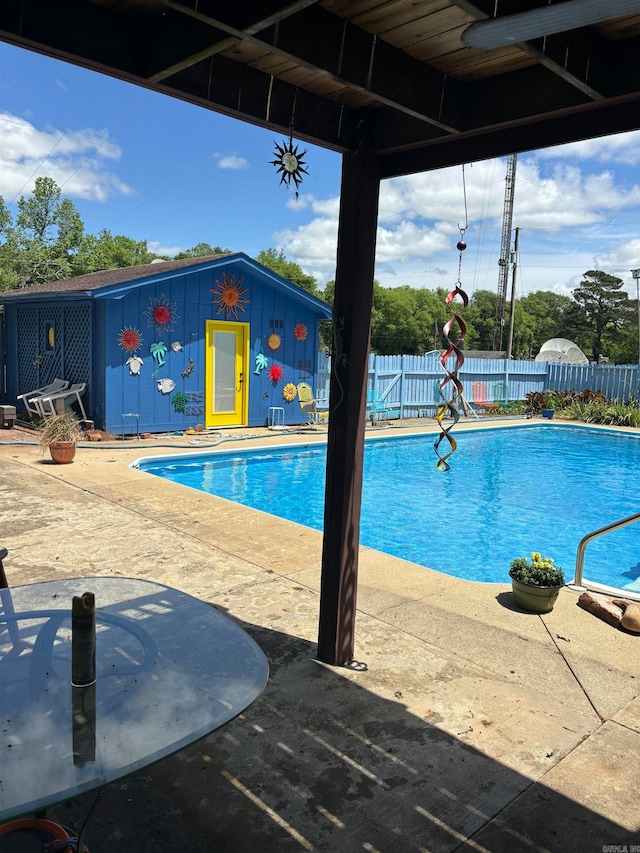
{"points": [[541, 571], [61, 427]]}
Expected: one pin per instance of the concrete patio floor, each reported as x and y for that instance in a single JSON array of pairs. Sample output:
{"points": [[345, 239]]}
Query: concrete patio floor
{"points": [[462, 724]]}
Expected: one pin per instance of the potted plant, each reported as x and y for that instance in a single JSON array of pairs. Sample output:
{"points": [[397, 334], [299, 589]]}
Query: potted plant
{"points": [[536, 584], [60, 434]]}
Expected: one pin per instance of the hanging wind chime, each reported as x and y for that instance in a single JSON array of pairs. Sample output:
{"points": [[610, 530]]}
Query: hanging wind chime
{"points": [[453, 348], [289, 161]]}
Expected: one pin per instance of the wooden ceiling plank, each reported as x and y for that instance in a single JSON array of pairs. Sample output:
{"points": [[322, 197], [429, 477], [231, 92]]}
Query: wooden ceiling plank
{"points": [[96, 40], [430, 27], [393, 15], [243, 92], [322, 41], [543, 132]]}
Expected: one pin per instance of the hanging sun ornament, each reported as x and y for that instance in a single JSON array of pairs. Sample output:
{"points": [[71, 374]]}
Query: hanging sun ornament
{"points": [[300, 332], [453, 348], [290, 163], [229, 296], [275, 373], [161, 313], [130, 339]]}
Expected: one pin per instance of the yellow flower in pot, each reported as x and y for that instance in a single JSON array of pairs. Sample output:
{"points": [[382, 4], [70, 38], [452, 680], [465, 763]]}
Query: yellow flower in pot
{"points": [[60, 434], [536, 585]]}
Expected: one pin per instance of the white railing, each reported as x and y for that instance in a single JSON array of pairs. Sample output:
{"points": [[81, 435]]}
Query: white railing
{"points": [[615, 525]]}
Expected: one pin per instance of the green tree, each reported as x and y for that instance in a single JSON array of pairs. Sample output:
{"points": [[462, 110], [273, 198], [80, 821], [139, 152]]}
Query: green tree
{"points": [[47, 235], [601, 310], [49, 220], [546, 315], [278, 263], [480, 320], [106, 252], [201, 250]]}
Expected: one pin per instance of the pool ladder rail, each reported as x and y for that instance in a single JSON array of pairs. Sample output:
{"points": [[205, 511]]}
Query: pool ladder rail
{"points": [[608, 528]]}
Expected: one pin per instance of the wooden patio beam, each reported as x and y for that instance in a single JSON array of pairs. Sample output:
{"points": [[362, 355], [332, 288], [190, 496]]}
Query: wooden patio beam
{"points": [[347, 405]]}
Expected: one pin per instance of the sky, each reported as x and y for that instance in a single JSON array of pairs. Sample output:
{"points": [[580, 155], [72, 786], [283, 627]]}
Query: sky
{"points": [[155, 168]]}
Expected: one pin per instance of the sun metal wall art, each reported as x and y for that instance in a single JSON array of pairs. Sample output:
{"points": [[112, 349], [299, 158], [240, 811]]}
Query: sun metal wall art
{"points": [[300, 332], [130, 339], [275, 373], [274, 341], [161, 313], [229, 296]]}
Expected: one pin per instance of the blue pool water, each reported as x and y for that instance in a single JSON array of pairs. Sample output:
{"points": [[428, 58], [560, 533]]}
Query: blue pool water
{"points": [[509, 492]]}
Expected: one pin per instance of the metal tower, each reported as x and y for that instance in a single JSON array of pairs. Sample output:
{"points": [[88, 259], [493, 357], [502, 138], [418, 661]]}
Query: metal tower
{"points": [[505, 250]]}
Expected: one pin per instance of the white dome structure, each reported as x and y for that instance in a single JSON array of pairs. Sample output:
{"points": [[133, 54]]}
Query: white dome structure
{"points": [[563, 351]]}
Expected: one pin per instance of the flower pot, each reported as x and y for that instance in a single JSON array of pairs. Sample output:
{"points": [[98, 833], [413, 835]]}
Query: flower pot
{"points": [[548, 413], [62, 452], [534, 598], [30, 834]]}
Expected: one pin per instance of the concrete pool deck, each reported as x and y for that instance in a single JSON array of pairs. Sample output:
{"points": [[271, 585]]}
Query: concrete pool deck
{"points": [[462, 724]]}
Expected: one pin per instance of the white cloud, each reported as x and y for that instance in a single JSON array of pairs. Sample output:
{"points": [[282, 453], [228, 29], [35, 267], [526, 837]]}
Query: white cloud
{"points": [[74, 160], [313, 246], [573, 216], [231, 161], [621, 148], [158, 249]]}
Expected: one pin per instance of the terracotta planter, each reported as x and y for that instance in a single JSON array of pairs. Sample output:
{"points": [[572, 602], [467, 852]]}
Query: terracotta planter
{"points": [[534, 598], [26, 834], [62, 452]]}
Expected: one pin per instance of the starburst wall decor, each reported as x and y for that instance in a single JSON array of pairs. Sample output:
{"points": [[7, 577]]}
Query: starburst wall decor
{"points": [[289, 163], [229, 296], [130, 339], [161, 313]]}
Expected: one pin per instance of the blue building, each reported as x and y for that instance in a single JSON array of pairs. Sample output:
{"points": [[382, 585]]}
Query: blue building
{"points": [[216, 341]]}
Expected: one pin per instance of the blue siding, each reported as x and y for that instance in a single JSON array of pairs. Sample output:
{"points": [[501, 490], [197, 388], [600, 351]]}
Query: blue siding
{"points": [[269, 310]]}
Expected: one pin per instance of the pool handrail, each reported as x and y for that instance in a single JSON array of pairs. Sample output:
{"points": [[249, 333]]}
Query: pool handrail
{"points": [[615, 525]]}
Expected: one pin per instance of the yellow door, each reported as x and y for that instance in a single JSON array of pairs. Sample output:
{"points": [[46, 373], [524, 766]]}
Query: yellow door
{"points": [[226, 395]]}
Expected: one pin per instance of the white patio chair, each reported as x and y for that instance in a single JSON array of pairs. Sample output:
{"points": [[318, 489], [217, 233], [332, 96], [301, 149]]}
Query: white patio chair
{"points": [[28, 399], [53, 404]]}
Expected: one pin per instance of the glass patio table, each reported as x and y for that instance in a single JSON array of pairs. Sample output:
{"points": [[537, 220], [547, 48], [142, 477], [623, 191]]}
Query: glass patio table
{"points": [[170, 669]]}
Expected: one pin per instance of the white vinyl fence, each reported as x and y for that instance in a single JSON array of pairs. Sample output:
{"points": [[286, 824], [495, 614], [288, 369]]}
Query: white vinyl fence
{"points": [[410, 381]]}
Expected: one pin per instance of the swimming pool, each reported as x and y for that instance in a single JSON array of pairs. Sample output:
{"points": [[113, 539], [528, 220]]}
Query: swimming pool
{"points": [[509, 492]]}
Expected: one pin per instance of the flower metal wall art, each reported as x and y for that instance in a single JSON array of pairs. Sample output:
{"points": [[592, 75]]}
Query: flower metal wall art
{"points": [[289, 392]]}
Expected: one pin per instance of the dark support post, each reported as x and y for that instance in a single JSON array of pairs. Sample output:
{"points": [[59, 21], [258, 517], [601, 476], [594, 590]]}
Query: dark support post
{"points": [[347, 405]]}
